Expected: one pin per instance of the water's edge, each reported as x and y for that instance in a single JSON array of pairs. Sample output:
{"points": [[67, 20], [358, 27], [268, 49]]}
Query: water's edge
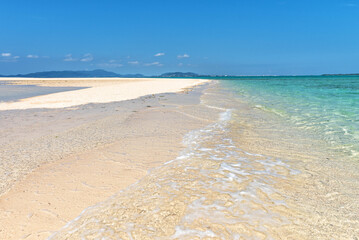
{"points": [[248, 175]]}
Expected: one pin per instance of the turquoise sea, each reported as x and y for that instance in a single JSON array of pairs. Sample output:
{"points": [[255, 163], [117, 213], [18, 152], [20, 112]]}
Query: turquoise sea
{"points": [[278, 161], [326, 106]]}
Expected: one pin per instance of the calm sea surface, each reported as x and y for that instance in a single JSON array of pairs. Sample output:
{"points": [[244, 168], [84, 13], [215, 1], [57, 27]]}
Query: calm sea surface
{"points": [[16, 92], [328, 106], [280, 162]]}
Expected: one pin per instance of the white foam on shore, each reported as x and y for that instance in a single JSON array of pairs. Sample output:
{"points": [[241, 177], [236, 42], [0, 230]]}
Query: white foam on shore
{"points": [[220, 185], [235, 167]]}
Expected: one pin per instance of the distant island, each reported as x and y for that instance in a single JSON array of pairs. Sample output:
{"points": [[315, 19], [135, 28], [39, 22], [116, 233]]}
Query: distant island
{"points": [[180, 74], [100, 73], [348, 74], [75, 74]]}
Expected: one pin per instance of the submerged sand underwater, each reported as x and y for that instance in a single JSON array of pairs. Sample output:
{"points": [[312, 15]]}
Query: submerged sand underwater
{"points": [[81, 155], [240, 173], [248, 175]]}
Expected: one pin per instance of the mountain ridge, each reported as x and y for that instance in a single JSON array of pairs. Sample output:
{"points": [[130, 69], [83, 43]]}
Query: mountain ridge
{"points": [[74, 74], [99, 73]]}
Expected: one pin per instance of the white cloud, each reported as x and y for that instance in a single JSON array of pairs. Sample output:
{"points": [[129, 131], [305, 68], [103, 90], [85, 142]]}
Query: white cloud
{"points": [[154, 64], [351, 5], [7, 57], [110, 65], [32, 56], [112, 61], [69, 58], [183, 56], [87, 58], [134, 62], [159, 54], [180, 64]]}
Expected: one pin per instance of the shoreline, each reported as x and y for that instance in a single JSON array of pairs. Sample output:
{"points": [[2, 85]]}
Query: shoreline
{"points": [[147, 132], [230, 150], [95, 90]]}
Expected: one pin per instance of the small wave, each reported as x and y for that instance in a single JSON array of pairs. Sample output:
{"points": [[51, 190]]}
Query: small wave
{"points": [[272, 110], [213, 189]]}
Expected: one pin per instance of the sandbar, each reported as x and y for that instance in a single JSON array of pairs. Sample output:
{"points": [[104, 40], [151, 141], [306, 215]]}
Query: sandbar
{"points": [[67, 159], [99, 90]]}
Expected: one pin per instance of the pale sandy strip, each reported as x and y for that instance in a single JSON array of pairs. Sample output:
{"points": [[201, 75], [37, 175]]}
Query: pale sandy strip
{"points": [[99, 92]]}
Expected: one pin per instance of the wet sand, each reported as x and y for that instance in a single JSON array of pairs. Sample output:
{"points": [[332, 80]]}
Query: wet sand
{"points": [[241, 177], [61, 161], [98, 90], [241, 173]]}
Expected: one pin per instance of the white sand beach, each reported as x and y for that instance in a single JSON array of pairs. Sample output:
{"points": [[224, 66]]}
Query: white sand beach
{"points": [[61, 155], [100, 90]]}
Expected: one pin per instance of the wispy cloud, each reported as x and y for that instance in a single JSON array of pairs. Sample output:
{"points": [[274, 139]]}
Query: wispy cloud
{"points": [[180, 64], [32, 56], [134, 62], [87, 57], [110, 65], [153, 64], [7, 57], [351, 5], [183, 56], [159, 54], [69, 58]]}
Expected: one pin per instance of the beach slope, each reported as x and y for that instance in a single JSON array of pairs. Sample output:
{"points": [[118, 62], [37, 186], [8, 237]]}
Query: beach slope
{"points": [[97, 90]]}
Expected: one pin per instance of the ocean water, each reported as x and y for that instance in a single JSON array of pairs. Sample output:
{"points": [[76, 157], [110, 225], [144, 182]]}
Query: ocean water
{"points": [[326, 105], [10, 92], [279, 162]]}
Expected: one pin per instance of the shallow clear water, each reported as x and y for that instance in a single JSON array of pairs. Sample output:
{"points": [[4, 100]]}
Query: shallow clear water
{"points": [[16, 92], [327, 105], [266, 168], [212, 190]]}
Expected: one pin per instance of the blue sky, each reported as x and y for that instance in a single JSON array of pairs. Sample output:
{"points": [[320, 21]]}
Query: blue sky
{"points": [[236, 37]]}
